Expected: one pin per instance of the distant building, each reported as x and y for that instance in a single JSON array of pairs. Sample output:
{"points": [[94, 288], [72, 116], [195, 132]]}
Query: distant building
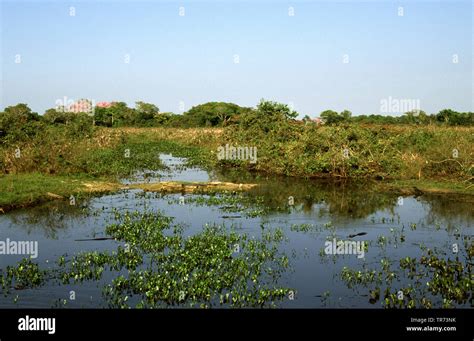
{"points": [[104, 104], [82, 105]]}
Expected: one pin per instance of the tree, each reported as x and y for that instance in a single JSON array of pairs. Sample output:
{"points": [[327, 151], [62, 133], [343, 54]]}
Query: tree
{"points": [[415, 116], [330, 116], [268, 118], [445, 115], [103, 116], [145, 111], [22, 112], [19, 123], [55, 116], [121, 114], [213, 114], [346, 115], [276, 110]]}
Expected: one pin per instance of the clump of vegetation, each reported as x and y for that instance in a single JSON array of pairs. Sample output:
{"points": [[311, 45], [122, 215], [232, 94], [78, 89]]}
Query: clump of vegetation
{"points": [[433, 280], [18, 123], [23, 276], [167, 268], [332, 117], [213, 114], [211, 267]]}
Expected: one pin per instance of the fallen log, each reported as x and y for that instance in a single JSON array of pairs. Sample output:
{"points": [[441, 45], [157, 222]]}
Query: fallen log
{"points": [[191, 187]]}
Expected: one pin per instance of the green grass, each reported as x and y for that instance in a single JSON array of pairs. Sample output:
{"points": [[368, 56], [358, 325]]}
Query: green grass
{"points": [[29, 189], [121, 160]]}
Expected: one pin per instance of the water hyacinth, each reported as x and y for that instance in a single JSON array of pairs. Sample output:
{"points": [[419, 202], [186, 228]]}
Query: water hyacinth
{"points": [[163, 267], [434, 280]]}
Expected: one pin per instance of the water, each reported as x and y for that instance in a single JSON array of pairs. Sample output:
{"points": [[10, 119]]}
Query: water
{"points": [[334, 210]]}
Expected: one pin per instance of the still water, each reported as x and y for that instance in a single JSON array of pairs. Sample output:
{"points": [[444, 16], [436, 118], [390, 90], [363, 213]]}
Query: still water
{"points": [[310, 213]]}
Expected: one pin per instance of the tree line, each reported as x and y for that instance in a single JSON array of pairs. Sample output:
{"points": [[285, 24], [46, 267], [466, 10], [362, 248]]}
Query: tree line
{"points": [[445, 116], [20, 121]]}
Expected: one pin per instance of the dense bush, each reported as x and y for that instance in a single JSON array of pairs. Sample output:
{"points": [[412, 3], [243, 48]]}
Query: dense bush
{"points": [[344, 149], [332, 117], [18, 123], [213, 114], [444, 117]]}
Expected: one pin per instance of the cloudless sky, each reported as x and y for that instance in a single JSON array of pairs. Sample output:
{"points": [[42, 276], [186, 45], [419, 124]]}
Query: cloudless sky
{"points": [[191, 59]]}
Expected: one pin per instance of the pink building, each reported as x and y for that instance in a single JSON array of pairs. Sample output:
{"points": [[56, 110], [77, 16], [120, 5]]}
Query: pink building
{"points": [[104, 104], [82, 105]]}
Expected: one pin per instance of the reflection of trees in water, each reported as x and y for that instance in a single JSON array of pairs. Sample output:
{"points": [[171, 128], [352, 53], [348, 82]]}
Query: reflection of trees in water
{"points": [[341, 198], [448, 210], [51, 217], [351, 199]]}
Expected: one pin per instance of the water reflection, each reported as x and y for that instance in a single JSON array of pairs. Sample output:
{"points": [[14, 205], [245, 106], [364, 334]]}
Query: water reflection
{"points": [[321, 210]]}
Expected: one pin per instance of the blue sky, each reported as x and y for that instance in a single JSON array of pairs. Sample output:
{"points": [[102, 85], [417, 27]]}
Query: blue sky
{"points": [[191, 59]]}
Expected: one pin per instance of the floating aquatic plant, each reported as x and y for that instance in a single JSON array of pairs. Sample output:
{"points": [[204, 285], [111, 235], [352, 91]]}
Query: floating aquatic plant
{"points": [[216, 266]]}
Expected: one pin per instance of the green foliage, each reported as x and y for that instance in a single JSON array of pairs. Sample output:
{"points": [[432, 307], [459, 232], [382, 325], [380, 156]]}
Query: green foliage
{"points": [[332, 117], [25, 275], [32, 188], [165, 267], [351, 150], [119, 114], [58, 142], [103, 117], [146, 111], [18, 123], [120, 160], [55, 116], [200, 270], [452, 117], [213, 114], [268, 117], [434, 280], [419, 117]]}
